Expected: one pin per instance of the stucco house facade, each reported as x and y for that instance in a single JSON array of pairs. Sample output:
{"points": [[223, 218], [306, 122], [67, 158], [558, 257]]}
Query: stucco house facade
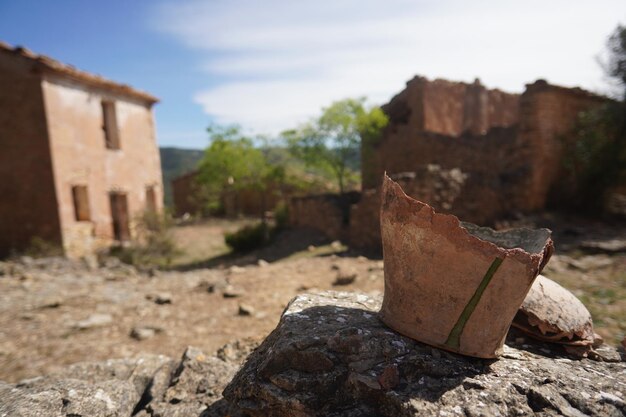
{"points": [[79, 159]]}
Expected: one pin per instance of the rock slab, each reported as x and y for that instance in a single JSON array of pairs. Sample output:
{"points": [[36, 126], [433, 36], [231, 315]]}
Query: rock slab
{"points": [[146, 386], [330, 355]]}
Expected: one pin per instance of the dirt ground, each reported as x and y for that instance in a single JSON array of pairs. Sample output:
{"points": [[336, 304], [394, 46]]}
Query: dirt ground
{"points": [[54, 312]]}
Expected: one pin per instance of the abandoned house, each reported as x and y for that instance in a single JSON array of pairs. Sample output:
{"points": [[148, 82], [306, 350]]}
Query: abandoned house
{"points": [[79, 160], [477, 153]]}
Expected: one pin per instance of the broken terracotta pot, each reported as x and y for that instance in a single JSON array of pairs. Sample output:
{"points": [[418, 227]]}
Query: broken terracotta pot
{"points": [[454, 285], [553, 314]]}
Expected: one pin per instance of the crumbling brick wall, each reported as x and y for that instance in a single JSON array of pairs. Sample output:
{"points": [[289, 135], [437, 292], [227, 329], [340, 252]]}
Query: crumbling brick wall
{"points": [[506, 149], [442, 122], [511, 147]]}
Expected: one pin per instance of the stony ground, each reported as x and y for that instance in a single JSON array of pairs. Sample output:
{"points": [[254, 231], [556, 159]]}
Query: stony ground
{"points": [[54, 312]]}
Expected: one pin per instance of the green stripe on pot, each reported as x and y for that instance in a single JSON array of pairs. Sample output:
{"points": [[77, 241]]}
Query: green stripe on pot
{"points": [[454, 338]]}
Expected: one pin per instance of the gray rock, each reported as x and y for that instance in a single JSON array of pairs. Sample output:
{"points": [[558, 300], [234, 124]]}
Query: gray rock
{"points": [[330, 355], [196, 384], [345, 277], [149, 385], [590, 263], [336, 245], [111, 388], [604, 246], [160, 298], [245, 310], [235, 269], [143, 332], [212, 286], [232, 292], [236, 352], [94, 320], [53, 302], [15, 402]]}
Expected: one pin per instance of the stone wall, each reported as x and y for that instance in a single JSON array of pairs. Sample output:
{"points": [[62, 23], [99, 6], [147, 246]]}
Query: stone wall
{"points": [[328, 213], [28, 205], [251, 201], [354, 218], [440, 188]]}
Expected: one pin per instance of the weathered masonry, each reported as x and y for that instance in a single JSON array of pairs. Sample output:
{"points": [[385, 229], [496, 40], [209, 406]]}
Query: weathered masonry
{"points": [[477, 153], [79, 160], [510, 146]]}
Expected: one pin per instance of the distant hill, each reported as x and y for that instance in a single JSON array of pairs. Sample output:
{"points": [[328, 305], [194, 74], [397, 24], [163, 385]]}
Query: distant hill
{"points": [[176, 162]]}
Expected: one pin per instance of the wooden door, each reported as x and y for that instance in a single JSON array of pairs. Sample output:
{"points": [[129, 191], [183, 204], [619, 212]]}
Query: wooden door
{"points": [[119, 215]]}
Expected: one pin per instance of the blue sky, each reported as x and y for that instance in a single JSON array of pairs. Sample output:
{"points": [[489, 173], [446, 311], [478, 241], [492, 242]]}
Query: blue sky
{"points": [[271, 64]]}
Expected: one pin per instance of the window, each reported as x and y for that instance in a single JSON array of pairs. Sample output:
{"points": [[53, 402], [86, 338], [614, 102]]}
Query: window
{"points": [[109, 125], [81, 203], [151, 204]]}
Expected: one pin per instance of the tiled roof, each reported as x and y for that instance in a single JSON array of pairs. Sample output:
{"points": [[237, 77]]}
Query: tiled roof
{"points": [[45, 63]]}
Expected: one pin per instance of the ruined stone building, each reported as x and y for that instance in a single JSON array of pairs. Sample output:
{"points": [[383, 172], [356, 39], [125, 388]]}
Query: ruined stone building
{"points": [[79, 159], [477, 153]]}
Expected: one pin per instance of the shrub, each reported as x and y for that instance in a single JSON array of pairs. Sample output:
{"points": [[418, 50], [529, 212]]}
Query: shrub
{"points": [[597, 158], [153, 244], [41, 248], [248, 237], [281, 216]]}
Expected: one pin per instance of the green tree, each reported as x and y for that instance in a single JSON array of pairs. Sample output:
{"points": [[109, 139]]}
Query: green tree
{"points": [[598, 157], [616, 65], [232, 161], [331, 142], [371, 125]]}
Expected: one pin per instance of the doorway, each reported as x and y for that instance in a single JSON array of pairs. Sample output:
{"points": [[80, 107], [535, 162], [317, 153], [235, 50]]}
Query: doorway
{"points": [[119, 215]]}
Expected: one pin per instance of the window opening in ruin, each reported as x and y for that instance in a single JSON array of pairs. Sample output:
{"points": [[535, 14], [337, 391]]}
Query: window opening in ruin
{"points": [[119, 216], [109, 125], [151, 204], [81, 203]]}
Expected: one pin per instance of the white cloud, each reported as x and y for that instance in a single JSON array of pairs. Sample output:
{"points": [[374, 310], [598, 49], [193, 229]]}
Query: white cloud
{"points": [[277, 62]]}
